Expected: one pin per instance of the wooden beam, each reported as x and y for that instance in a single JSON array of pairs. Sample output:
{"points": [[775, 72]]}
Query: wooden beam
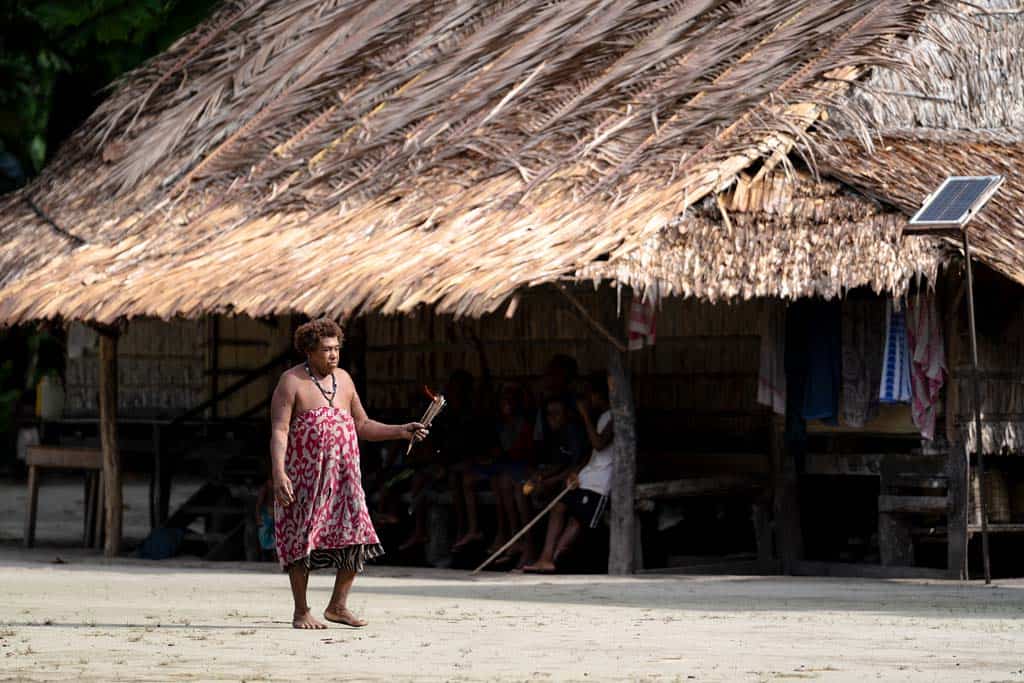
{"points": [[864, 571], [108, 442], [698, 486], [622, 544], [591, 320], [789, 543], [912, 504]]}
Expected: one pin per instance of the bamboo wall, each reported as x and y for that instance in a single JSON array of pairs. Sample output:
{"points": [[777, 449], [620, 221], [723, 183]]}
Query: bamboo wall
{"points": [[1000, 333], [699, 380], [164, 368], [160, 369]]}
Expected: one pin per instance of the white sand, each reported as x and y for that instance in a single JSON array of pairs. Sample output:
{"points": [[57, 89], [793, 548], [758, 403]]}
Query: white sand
{"points": [[132, 620]]}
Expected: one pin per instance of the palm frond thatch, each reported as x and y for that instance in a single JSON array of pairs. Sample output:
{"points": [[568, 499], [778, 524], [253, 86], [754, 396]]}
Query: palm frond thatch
{"points": [[330, 156]]}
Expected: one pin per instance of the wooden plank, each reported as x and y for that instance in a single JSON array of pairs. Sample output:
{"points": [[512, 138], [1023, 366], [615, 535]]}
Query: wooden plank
{"points": [[622, 542], [699, 486], [997, 529], [956, 512], [912, 504], [865, 571], [62, 457], [895, 542], [856, 464], [789, 544], [108, 441]]}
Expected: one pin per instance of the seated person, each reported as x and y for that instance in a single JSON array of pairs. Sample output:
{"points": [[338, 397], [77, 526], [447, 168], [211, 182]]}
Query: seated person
{"points": [[563, 450], [591, 484], [511, 467]]}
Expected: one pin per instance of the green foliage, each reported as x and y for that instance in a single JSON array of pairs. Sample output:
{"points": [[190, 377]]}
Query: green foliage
{"points": [[56, 56]]}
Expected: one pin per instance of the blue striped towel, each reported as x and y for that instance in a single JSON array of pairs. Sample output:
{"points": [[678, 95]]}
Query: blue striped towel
{"points": [[896, 364]]}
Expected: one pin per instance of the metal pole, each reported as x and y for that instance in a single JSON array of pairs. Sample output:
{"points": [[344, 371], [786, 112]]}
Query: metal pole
{"points": [[976, 388]]}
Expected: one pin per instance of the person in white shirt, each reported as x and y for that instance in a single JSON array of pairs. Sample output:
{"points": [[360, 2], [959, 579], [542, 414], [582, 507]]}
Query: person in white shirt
{"points": [[591, 485]]}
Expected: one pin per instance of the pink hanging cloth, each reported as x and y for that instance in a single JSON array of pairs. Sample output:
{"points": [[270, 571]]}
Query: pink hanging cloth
{"points": [[928, 360]]}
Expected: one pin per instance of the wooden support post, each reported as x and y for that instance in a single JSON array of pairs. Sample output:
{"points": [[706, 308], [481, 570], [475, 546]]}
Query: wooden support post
{"points": [[108, 441], [786, 505], [214, 346], [956, 511], [31, 506], [622, 544], [895, 543]]}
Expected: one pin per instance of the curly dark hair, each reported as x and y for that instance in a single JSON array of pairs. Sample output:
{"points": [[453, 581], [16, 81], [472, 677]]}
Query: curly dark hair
{"points": [[308, 335]]}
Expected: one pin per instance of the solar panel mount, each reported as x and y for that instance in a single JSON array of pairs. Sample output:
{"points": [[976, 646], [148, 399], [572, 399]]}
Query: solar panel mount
{"points": [[955, 202]]}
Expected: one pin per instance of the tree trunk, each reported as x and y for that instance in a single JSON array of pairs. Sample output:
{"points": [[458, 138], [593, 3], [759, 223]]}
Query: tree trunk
{"points": [[108, 442], [621, 559]]}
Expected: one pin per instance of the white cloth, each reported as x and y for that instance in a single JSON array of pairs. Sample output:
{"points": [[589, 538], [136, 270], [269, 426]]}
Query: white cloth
{"points": [[597, 474]]}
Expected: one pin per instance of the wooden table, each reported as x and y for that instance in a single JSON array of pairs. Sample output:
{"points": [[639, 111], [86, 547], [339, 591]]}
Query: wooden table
{"points": [[89, 460]]}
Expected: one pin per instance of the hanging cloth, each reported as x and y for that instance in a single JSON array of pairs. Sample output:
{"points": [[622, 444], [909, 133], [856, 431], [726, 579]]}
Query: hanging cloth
{"points": [[928, 360], [771, 376], [824, 361], [863, 346], [895, 386], [641, 326]]}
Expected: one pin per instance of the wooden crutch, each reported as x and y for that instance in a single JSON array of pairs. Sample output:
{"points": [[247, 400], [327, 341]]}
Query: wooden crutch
{"points": [[522, 531]]}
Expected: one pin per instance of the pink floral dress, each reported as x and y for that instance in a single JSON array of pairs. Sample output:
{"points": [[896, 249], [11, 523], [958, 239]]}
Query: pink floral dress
{"points": [[328, 524]]}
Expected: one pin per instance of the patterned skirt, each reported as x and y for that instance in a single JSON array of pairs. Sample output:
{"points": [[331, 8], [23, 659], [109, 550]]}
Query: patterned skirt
{"points": [[348, 559], [328, 525]]}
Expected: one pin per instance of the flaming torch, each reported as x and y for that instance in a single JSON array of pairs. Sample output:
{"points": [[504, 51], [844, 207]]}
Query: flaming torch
{"points": [[437, 403]]}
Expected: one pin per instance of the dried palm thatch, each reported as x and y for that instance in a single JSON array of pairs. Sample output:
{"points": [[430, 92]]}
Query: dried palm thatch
{"points": [[907, 165], [967, 74], [959, 115], [779, 235], [325, 157]]}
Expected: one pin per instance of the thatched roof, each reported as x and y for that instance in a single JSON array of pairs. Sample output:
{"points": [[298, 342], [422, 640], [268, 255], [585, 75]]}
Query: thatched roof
{"points": [[962, 113], [322, 157], [783, 235], [967, 74], [905, 166]]}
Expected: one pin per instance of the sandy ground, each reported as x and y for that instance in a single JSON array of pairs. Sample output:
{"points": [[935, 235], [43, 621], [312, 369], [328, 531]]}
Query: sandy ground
{"points": [[89, 620], [61, 505]]}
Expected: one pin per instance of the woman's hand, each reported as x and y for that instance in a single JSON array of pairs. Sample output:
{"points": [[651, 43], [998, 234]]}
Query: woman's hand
{"points": [[572, 480], [414, 431], [283, 492]]}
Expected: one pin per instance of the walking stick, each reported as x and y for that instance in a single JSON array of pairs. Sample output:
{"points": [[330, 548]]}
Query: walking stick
{"points": [[522, 531]]}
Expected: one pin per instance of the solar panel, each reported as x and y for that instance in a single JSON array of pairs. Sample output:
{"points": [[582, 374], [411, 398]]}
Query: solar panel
{"points": [[956, 200]]}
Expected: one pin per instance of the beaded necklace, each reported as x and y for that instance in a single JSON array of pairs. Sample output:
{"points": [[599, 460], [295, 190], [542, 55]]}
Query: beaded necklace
{"points": [[334, 385]]}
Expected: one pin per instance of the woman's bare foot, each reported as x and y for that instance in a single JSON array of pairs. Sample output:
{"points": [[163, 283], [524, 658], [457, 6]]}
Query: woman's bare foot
{"points": [[540, 567], [305, 620], [471, 537], [341, 615]]}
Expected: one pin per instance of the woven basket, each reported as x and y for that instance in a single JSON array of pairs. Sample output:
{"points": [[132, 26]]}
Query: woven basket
{"points": [[997, 498]]}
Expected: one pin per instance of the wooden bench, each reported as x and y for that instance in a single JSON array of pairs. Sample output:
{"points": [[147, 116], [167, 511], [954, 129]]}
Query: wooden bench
{"points": [[751, 486], [89, 460]]}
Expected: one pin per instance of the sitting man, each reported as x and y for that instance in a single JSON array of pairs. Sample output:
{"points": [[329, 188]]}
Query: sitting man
{"points": [[591, 484]]}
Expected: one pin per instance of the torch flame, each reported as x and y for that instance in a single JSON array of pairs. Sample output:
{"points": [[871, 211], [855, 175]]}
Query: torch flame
{"points": [[429, 393]]}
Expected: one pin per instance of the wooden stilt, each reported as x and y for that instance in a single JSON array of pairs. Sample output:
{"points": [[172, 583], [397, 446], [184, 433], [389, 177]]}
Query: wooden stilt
{"points": [[786, 505], [108, 441], [622, 544]]}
